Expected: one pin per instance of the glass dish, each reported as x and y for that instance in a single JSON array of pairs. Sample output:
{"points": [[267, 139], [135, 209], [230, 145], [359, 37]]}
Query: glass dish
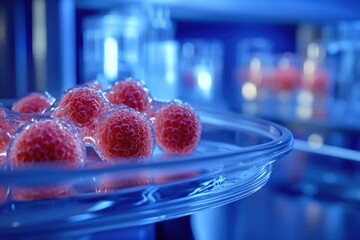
{"points": [[233, 160]]}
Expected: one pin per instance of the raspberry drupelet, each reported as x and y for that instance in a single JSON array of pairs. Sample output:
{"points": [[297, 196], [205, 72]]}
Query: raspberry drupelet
{"points": [[177, 128], [130, 93], [124, 135], [33, 103]]}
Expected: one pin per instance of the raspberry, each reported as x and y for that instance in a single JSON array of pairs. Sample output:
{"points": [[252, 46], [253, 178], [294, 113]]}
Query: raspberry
{"points": [[177, 128], [124, 134], [33, 103], [46, 141], [83, 105], [130, 93]]}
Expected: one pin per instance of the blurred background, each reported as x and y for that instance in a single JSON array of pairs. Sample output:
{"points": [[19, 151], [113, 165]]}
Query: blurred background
{"points": [[293, 62]]}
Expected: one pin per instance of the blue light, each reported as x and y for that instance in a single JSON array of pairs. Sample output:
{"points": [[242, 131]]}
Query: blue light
{"points": [[111, 58], [205, 82], [170, 62]]}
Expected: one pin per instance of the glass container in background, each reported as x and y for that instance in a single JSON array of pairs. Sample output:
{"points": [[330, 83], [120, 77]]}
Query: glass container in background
{"points": [[114, 45], [286, 76], [159, 25], [286, 81], [253, 74], [314, 99], [161, 69], [161, 54], [200, 71], [343, 52]]}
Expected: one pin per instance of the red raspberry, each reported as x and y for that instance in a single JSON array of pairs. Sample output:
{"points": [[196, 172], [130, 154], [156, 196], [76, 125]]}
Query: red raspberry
{"points": [[46, 141], [130, 93], [124, 134], [8, 127], [33, 103], [177, 128], [83, 105]]}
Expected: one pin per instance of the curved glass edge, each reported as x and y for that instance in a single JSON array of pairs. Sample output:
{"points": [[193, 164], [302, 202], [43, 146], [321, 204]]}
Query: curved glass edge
{"points": [[109, 217]]}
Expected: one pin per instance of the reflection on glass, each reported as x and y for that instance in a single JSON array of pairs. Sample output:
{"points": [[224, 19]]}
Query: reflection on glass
{"points": [[81, 217], [101, 205]]}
